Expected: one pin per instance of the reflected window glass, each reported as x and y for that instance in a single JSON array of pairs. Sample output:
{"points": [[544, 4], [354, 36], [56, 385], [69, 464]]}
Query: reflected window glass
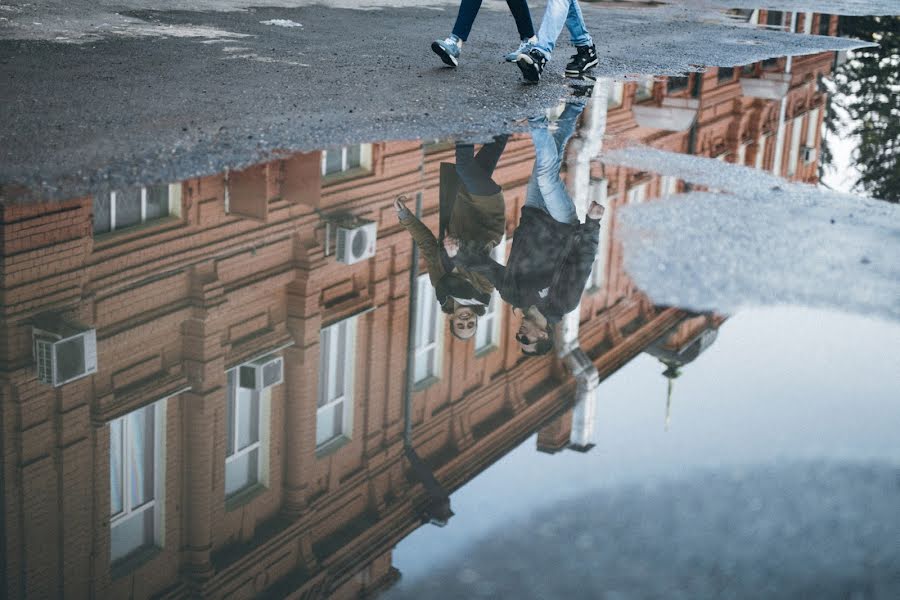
{"points": [[134, 456], [121, 209], [334, 411]]}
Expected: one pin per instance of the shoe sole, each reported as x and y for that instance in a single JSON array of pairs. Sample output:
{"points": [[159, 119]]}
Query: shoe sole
{"points": [[587, 67], [529, 71], [448, 60]]}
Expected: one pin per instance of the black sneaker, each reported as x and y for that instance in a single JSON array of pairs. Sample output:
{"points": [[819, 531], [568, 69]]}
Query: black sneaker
{"points": [[584, 58], [532, 65]]}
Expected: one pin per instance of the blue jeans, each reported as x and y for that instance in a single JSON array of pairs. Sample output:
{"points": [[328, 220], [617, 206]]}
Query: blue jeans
{"points": [[557, 13], [468, 10], [546, 189]]}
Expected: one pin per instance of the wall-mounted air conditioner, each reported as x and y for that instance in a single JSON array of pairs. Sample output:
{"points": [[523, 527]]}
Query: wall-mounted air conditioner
{"points": [[354, 238], [63, 352], [809, 154], [262, 373]]}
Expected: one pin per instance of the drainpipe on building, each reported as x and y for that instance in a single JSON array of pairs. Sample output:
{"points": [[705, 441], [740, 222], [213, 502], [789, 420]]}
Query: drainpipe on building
{"points": [[779, 137], [437, 506], [574, 359]]}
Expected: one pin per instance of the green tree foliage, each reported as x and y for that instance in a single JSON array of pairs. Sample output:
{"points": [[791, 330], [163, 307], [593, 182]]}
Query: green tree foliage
{"points": [[867, 88]]}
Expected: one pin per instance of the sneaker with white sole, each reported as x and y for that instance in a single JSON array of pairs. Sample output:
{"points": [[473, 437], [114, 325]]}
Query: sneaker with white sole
{"points": [[448, 49], [524, 46], [585, 58], [531, 64]]}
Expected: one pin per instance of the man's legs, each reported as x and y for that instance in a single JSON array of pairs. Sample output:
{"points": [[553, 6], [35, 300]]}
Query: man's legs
{"points": [[546, 190], [575, 24]]}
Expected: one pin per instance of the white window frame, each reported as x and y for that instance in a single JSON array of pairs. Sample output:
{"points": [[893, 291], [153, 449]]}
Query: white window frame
{"points": [[637, 193], [616, 94], [174, 207], [365, 159], [668, 185], [264, 398], [489, 325], [421, 348], [812, 128], [597, 277], [760, 159], [157, 501], [326, 382], [794, 148]]}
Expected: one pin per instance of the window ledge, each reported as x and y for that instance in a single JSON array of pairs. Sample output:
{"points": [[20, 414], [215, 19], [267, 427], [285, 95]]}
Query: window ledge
{"points": [[130, 563], [486, 350], [244, 496], [339, 176], [102, 241], [426, 383], [332, 446]]}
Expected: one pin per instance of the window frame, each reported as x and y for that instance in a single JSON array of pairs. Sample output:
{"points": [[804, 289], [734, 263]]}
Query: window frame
{"points": [[261, 445], [157, 502], [364, 166], [173, 206], [493, 316], [424, 286], [347, 398]]}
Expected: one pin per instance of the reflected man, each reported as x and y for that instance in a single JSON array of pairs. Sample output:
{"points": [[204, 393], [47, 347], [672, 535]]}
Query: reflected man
{"points": [[552, 252]]}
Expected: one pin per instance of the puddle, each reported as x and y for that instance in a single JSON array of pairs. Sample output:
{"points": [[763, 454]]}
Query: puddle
{"points": [[251, 381]]}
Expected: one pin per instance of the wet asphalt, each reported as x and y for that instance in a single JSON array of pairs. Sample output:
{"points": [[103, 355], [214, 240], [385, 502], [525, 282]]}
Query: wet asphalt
{"points": [[116, 111]]}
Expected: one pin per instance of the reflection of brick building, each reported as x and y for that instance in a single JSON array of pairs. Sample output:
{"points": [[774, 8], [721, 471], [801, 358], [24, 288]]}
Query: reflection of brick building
{"points": [[166, 474]]}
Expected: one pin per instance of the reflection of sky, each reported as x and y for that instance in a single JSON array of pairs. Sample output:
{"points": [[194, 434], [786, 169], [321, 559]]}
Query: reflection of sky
{"points": [[777, 384]]}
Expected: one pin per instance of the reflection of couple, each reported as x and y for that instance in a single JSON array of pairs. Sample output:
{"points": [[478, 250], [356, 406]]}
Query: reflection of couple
{"points": [[552, 252]]}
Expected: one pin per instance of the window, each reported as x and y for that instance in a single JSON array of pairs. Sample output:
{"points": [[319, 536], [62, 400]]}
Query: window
{"points": [[136, 465], [807, 23], [760, 152], [429, 330], [346, 158], [725, 74], [637, 193], [774, 18], [794, 155], [824, 24], [676, 84], [337, 356], [812, 128], [616, 93], [644, 89], [247, 437], [487, 335], [128, 208], [742, 153], [668, 185]]}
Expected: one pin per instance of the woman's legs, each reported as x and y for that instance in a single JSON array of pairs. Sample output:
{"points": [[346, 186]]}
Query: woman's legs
{"points": [[475, 171]]}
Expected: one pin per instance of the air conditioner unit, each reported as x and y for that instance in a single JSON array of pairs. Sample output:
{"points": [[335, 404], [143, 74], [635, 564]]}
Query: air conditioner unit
{"points": [[356, 241], [809, 154], [262, 373], [63, 352]]}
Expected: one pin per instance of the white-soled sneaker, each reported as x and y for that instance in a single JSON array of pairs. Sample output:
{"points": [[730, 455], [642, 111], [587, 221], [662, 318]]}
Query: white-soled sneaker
{"points": [[524, 47], [448, 49]]}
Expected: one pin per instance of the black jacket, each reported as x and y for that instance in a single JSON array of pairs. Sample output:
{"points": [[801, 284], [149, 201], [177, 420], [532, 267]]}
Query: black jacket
{"points": [[548, 265]]}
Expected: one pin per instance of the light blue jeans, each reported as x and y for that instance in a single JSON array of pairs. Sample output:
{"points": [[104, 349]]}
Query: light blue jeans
{"points": [[557, 14], [546, 189]]}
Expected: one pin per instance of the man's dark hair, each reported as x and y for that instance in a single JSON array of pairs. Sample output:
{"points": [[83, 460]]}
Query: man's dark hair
{"points": [[542, 346]]}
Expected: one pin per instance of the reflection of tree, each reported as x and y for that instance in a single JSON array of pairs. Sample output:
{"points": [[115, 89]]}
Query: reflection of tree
{"points": [[867, 89]]}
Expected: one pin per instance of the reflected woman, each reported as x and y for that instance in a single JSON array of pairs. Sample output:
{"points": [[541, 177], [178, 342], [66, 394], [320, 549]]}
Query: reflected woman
{"points": [[472, 217]]}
